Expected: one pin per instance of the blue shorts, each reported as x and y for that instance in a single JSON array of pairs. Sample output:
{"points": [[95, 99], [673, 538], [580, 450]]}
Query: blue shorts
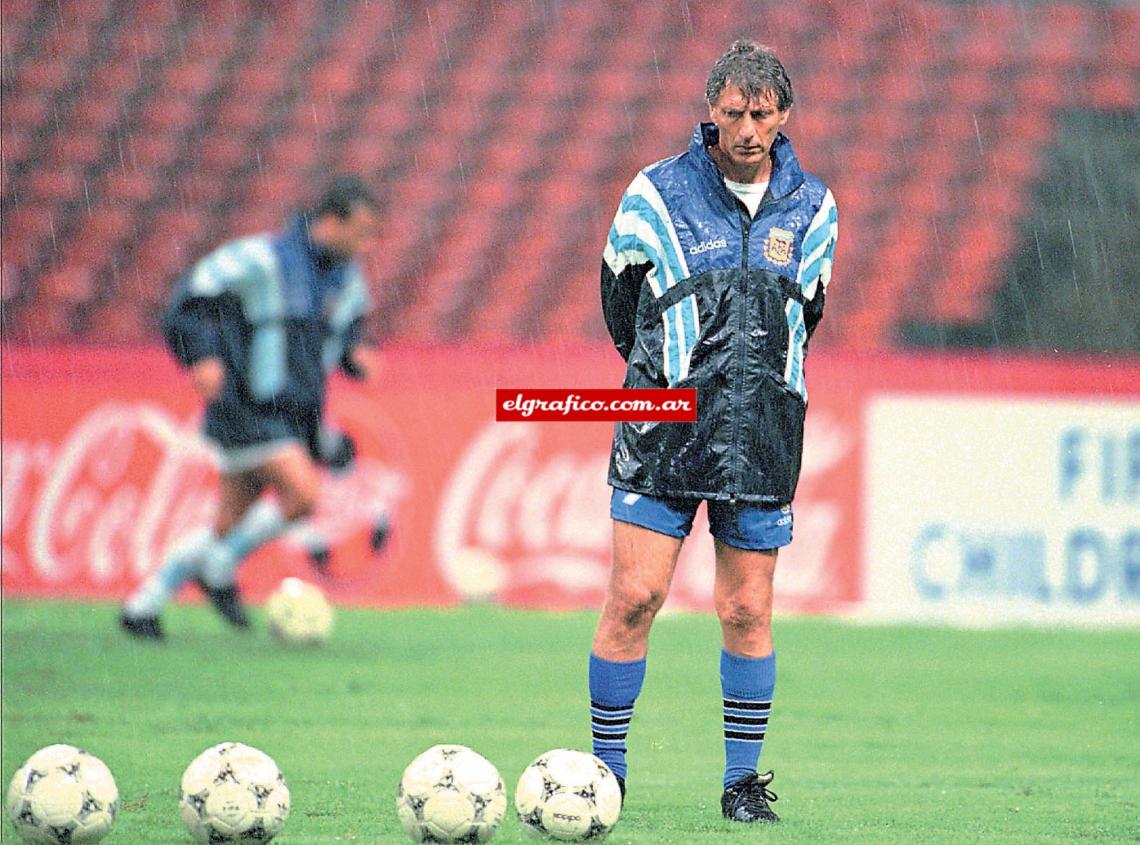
{"points": [[735, 524]]}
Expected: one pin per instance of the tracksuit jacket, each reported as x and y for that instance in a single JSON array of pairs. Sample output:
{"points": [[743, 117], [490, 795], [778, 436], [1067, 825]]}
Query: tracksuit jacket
{"points": [[697, 293], [281, 313]]}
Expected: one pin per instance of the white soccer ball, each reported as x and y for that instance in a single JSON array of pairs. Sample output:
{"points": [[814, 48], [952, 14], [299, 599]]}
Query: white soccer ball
{"points": [[63, 795], [568, 795], [299, 613], [451, 794], [233, 793]]}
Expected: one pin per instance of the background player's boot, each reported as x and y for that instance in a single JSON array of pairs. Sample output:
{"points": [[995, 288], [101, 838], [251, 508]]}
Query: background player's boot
{"points": [[319, 555], [747, 799], [142, 627], [227, 601], [381, 528]]}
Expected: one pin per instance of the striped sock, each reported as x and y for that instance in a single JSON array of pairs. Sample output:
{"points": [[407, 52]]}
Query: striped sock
{"points": [[614, 687], [747, 684]]}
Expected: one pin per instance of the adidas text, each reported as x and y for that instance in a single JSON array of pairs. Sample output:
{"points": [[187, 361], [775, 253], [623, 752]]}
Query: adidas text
{"points": [[705, 246]]}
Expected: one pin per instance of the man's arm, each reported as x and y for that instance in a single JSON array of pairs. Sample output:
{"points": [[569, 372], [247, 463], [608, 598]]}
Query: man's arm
{"points": [[191, 323], [360, 361], [819, 246], [620, 293], [625, 264], [346, 347]]}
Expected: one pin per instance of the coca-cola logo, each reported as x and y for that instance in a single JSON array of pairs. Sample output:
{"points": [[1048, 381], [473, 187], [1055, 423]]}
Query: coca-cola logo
{"points": [[511, 516], [517, 514], [126, 483]]}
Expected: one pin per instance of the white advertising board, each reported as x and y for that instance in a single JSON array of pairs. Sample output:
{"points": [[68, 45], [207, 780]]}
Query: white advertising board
{"points": [[1002, 510]]}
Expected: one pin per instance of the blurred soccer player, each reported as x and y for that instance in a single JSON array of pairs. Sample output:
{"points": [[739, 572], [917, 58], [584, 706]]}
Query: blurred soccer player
{"points": [[713, 277], [259, 323]]}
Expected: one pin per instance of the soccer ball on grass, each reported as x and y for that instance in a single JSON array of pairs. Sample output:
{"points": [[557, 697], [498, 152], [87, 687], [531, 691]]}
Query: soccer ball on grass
{"points": [[299, 613], [451, 794], [568, 795], [63, 795], [233, 793]]}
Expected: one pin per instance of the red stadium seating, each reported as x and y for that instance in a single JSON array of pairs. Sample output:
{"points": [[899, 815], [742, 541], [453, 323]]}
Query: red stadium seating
{"points": [[136, 135]]}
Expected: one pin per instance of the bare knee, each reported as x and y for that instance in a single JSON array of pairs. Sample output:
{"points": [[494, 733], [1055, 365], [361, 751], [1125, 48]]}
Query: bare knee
{"points": [[298, 506], [635, 609], [628, 615], [741, 618]]}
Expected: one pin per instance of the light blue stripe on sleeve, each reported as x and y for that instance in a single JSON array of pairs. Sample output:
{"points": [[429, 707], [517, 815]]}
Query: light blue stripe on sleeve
{"points": [[817, 254], [641, 207]]}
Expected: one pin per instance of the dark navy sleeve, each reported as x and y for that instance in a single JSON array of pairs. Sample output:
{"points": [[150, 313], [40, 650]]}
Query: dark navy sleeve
{"points": [[353, 335], [813, 311], [190, 325], [620, 294]]}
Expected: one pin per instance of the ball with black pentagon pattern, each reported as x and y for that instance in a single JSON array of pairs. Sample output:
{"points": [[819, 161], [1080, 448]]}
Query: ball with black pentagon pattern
{"points": [[568, 795], [449, 793], [63, 796], [233, 793]]}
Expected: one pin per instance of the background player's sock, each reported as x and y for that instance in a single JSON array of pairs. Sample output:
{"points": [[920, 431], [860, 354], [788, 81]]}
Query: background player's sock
{"points": [[261, 523], [182, 564], [747, 684], [614, 686]]}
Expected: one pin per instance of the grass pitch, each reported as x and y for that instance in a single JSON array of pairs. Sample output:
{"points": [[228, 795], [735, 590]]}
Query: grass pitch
{"points": [[879, 735]]}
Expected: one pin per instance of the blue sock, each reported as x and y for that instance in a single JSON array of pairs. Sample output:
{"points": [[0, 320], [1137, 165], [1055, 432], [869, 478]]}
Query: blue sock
{"points": [[613, 689], [747, 684]]}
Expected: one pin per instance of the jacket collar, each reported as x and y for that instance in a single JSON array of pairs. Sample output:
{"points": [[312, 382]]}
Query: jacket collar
{"points": [[298, 236], [787, 175]]}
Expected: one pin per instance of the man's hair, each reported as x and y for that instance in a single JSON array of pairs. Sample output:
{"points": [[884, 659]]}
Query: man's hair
{"points": [[753, 68], [343, 195]]}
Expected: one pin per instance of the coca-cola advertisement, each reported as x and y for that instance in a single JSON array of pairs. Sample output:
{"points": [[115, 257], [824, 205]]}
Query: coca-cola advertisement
{"points": [[105, 471]]}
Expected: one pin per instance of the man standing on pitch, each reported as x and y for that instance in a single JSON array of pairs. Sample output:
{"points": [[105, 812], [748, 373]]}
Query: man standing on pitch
{"points": [[713, 278]]}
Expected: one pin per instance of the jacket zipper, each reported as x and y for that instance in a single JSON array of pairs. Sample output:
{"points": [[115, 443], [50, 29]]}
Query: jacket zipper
{"points": [[746, 220], [741, 347]]}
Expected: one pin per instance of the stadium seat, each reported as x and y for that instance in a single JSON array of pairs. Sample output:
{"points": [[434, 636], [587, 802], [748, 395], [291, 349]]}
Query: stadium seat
{"points": [[19, 145], [1113, 89], [123, 322], [98, 113], [29, 108], [174, 114], [192, 78], [46, 73], [58, 183], [132, 185], [43, 321], [78, 148], [73, 284]]}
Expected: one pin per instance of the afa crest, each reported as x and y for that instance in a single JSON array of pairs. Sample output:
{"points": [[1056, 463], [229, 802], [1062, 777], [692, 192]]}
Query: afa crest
{"points": [[778, 246]]}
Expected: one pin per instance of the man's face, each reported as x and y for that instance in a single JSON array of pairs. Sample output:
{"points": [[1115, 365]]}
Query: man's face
{"points": [[748, 127], [351, 236]]}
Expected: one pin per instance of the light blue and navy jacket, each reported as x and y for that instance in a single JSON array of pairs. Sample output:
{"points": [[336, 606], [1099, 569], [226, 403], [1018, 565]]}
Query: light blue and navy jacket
{"points": [[697, 293], [281, 314]]}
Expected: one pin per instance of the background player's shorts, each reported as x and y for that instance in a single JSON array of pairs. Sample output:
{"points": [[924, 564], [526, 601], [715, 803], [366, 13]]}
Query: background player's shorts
{"points": [[247, 436], [740, 525]]}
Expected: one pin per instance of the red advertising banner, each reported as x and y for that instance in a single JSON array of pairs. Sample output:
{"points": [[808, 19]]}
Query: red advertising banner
{"points": [[104, 471]]}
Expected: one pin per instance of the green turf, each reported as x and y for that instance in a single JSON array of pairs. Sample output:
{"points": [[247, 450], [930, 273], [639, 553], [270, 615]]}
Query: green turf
{"points": [[879, 735]]}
